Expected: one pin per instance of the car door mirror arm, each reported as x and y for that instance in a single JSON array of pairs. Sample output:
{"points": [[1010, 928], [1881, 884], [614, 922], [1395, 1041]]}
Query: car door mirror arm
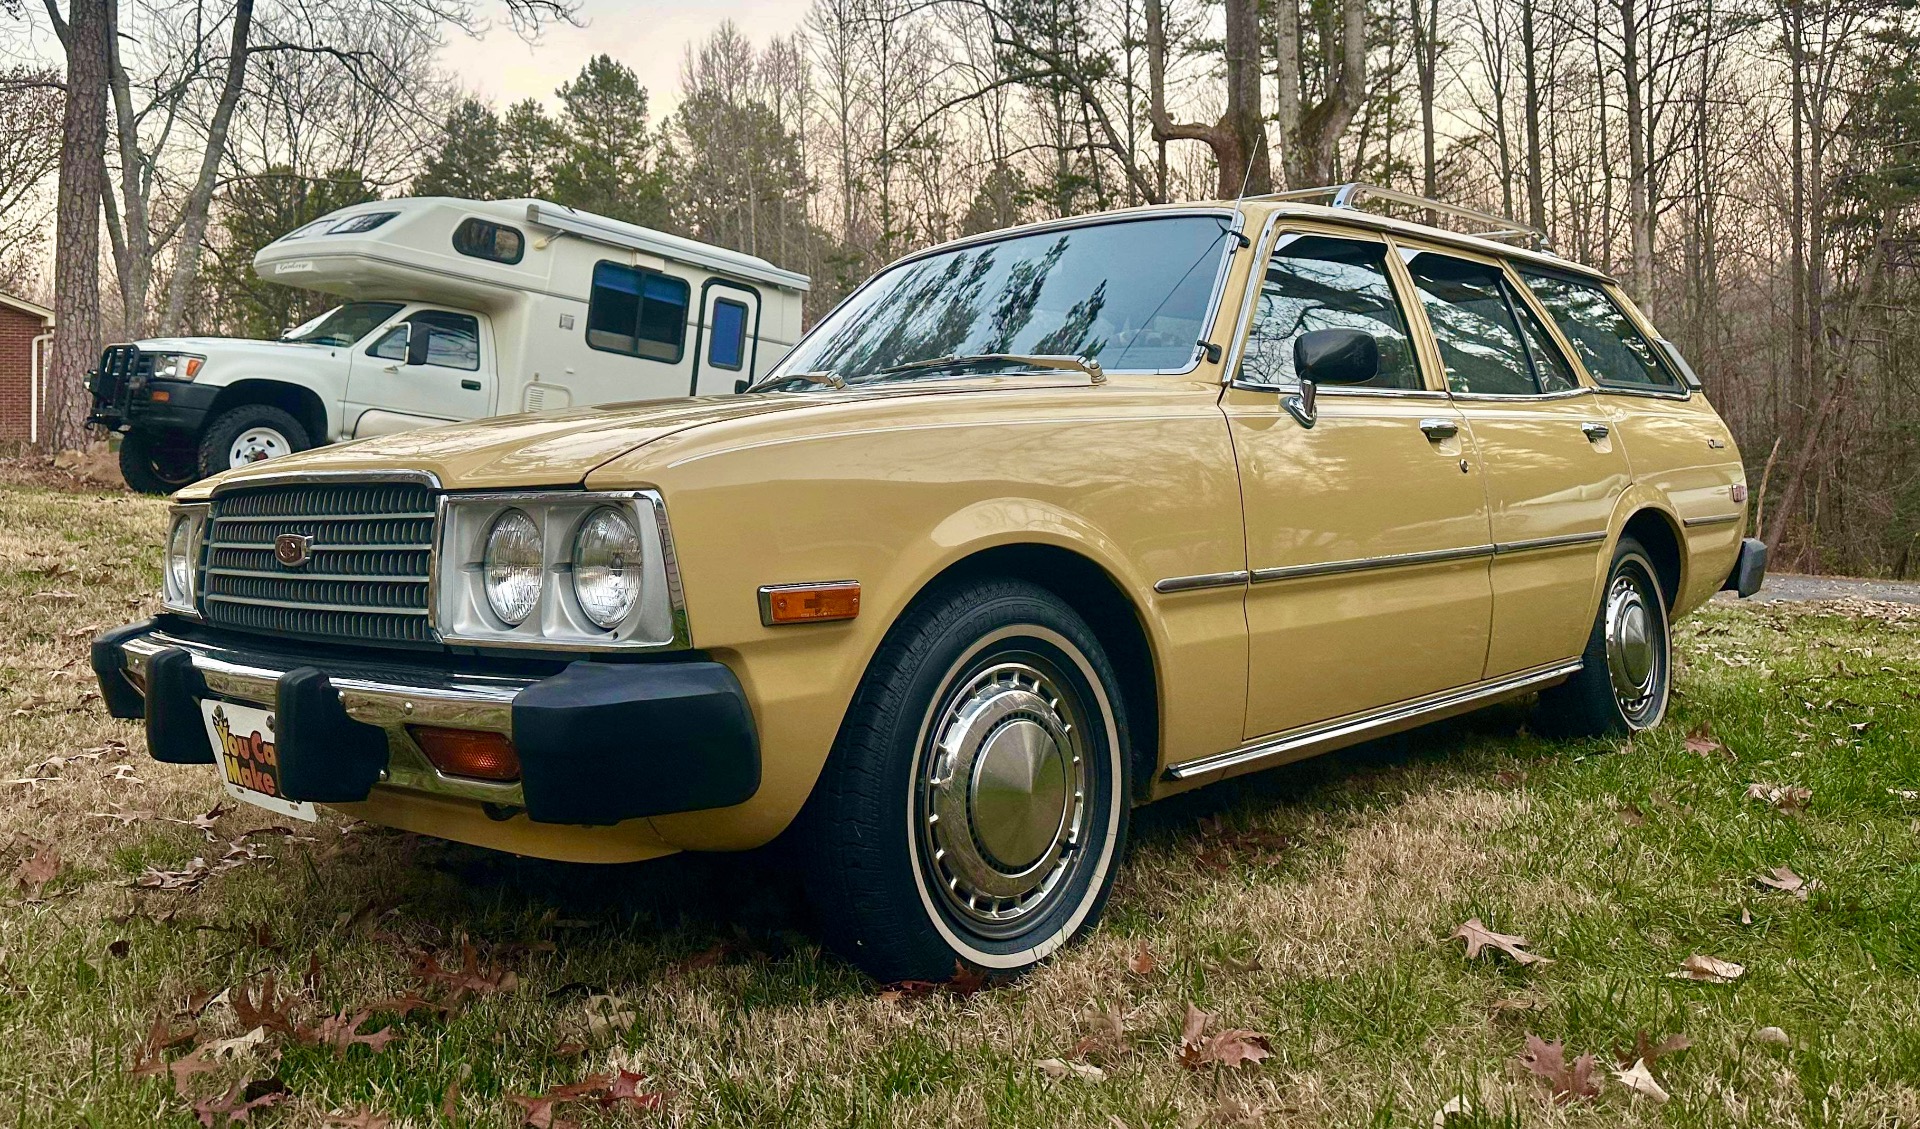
{"points": [[1300, 405]]}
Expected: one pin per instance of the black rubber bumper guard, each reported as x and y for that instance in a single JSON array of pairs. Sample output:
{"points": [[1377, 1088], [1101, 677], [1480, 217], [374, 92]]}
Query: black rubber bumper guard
{"points": [[1749, 568], [598, 742]]}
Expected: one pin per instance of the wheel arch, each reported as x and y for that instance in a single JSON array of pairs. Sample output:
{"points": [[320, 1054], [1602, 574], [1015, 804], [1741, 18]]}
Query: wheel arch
{"points": [[1659, 533], [1097, 597], [299, 401]]}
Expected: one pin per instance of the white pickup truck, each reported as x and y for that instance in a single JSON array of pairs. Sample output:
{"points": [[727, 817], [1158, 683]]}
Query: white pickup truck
{"points": [[455, 309]]}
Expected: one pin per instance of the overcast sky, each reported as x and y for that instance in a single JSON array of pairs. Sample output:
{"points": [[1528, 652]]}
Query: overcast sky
{"points": [[651, 36]]}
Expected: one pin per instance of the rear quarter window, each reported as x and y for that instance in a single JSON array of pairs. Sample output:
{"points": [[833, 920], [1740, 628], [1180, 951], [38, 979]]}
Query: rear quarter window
{"points": [[1610, 345]]}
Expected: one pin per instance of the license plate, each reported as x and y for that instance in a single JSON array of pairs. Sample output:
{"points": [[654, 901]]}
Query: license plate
{"points": [[243, 745]]}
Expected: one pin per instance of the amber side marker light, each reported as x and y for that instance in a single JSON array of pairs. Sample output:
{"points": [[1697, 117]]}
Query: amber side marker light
{"points": [[468, 752], [782, 604]]}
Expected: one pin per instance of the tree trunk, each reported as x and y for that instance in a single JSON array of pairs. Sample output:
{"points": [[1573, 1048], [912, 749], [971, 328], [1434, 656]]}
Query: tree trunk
{"points": [[193, 221], [1311, 135], [1530, 97], [1639, 208], [1238, 139], [76, 292]]}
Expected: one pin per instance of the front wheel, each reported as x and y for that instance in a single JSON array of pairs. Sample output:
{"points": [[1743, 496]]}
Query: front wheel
{"points": [[249, 434], [975, 805], [1628, 673], [157, 464]]}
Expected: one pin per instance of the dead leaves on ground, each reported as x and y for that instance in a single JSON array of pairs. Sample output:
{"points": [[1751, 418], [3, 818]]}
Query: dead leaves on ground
{"points": [[608, 1091], [1566, 1081], [1783, 878], [37, 869], [1479, 938], [1781, 797], [1232, 1048], [1708, 970]]}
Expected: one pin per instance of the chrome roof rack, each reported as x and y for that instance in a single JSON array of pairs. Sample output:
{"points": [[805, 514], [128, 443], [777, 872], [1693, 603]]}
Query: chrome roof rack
{"points": [[1349, 196]]}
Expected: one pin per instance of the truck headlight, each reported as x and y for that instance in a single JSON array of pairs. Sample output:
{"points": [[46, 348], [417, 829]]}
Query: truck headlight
{"points": [[511, 564], [606, 566], [558, 570], [180, 568], [176, 366]]}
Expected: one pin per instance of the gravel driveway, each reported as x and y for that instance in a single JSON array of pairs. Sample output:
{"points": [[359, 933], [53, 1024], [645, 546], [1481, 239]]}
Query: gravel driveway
{"points": [[1797, 588]]}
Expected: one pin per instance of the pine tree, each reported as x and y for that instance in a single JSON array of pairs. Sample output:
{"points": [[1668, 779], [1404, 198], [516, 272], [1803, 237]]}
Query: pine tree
{"points": [[468, 164], [609, 163]]}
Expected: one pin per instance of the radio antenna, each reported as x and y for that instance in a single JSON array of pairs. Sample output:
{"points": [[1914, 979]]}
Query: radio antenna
{"points": [[1245, 179]]}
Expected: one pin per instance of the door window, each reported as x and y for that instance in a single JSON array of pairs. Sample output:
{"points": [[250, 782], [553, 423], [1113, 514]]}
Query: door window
{"points": [[639, 313], [1490, 343], [1317, 282], [453, 340], [728, 347], [1613, 349]]}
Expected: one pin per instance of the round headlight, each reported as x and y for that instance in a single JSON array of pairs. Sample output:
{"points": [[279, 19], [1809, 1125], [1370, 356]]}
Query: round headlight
{"points": [[606, 566], [511, 566], [179, 559]]}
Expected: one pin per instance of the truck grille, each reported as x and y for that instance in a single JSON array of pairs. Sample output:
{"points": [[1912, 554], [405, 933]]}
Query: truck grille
{"points": [[366, 580]]}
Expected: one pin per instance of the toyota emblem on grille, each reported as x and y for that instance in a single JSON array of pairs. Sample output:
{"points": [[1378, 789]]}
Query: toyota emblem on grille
{"points": [[292, 549]]}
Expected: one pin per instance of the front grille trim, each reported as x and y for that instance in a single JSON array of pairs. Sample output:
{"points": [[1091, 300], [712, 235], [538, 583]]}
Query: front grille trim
{"points": [[368, 579]]}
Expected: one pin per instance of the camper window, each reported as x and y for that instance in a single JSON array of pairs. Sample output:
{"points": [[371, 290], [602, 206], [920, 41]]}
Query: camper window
{"points": [[480, 239], [365, 221], [728, 349], [453, 340], [639, 313]]}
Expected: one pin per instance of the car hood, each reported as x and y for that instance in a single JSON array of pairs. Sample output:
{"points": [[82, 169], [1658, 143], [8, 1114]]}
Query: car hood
{"points": [[511, 452], [216, 347]]}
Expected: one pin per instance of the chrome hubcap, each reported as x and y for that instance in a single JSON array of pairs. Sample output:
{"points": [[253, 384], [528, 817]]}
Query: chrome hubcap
{"points": [[1003, 797], [1634, 646], [256, 444]]}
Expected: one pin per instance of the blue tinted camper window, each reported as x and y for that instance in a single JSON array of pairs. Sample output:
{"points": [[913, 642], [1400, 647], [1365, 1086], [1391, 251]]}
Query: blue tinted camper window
{"points": [[729, 346], [639, 313]]}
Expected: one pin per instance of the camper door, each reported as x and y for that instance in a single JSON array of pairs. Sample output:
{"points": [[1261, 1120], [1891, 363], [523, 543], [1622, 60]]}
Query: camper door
{"points": [[430, 366], [728, 336]]}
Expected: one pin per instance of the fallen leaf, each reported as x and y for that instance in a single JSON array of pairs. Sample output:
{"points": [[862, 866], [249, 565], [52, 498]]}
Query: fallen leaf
{"points": [[363, 1118], [1478, 937], [342, 1033], [1700, 742], [1647, 1051], [1141, 962], [1061, 1068], [37, 869], [268, 1009], [607, 1016], [1641, 1081], [1773, 1035], [1232, 1048], [186, 1066], [1632, 816], [237, 1046], [1784, 879], [240, 1101], [1567, 1082], [470, 979], [1708, 970], [1457, 1106], [967, 980], [1782, 797], [1904, 793], [1105, 1038]]}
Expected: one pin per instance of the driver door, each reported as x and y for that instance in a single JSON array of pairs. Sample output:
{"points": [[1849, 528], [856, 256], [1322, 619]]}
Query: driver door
{"points": [[430, 367], [1367, 530]]}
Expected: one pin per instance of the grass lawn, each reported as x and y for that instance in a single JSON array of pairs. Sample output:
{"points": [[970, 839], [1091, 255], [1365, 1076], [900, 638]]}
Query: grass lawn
{"points": [[1311, 905]]}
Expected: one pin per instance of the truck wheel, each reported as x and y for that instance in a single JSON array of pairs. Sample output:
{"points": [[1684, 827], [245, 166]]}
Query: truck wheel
{"points": [[248, 434], [975, 805], [1624, 686], [157, 464]]}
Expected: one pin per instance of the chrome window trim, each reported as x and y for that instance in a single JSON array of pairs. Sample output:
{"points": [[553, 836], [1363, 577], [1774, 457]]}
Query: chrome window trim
{"points": [[1368, 564], [1328, 735], [1523, 398], [1563, 541], [1209, 319], [1606, 389], [1200, 582], [1236, 351], [681, 630], [1712, 519]]}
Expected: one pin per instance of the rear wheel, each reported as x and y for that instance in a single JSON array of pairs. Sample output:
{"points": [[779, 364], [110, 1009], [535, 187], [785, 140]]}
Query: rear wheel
{"points": [[157, 463], [1628, 673], [249, 434], [975, 805]]}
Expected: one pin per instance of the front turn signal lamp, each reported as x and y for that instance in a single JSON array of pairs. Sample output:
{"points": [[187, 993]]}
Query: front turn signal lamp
{"points": [[782, 604], [472, 753]]}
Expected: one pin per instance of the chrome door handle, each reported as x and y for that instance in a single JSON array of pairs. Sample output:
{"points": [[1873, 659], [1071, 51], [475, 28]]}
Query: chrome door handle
{"points": [[1594, 431], [1439, 428]]}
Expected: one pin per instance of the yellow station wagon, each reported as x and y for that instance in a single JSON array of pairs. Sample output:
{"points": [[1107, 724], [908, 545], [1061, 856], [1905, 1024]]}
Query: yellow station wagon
{"points": [[1034, 527]]}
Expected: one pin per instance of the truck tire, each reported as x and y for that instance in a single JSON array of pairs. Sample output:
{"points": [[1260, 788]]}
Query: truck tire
{"points": [[974, 808], [1628, 676], [248, 434], [152, 465]]}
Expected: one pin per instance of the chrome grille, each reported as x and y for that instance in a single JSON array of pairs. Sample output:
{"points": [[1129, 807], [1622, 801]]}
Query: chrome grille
{"points": [[368, 577]]}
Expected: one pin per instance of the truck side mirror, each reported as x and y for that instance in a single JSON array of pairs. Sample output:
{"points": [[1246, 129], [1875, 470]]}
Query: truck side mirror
{"points": [[416, 344], [1330, 356]]}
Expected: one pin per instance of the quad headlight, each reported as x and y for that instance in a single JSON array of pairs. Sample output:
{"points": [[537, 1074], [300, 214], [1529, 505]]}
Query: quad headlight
{"points": [[180, 566], [567, 569]]}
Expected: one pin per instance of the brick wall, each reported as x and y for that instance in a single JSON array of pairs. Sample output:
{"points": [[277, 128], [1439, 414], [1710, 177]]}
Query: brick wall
{"points": [[17, 331]]}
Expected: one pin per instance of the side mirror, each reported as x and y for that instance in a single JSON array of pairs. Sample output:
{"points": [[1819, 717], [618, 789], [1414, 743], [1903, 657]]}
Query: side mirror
{"points": [[416, 346], [1329, 356]]}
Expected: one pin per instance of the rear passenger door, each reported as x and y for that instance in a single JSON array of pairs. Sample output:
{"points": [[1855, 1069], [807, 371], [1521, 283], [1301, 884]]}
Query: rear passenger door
{"points": [[1367, 531], [1553, 470]]}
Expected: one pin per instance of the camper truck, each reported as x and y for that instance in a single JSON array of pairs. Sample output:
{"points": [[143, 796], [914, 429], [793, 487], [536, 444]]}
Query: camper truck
{"points": [[451, 310]]}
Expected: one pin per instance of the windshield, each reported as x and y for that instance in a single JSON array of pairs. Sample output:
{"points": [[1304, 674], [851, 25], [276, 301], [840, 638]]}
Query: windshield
{"points": [[343, 325], [1132, 294]]}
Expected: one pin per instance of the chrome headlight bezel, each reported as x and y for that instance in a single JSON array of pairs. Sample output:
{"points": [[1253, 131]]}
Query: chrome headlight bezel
{"points": [[463, 615], [180, 558]]}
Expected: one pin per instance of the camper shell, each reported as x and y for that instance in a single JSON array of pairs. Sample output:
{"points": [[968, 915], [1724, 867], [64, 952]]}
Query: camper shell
{"points": [[452, 310]]}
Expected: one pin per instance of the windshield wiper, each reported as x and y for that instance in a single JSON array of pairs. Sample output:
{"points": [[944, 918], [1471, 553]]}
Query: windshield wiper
{"points": [[827, 379], [1051, 361]]}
